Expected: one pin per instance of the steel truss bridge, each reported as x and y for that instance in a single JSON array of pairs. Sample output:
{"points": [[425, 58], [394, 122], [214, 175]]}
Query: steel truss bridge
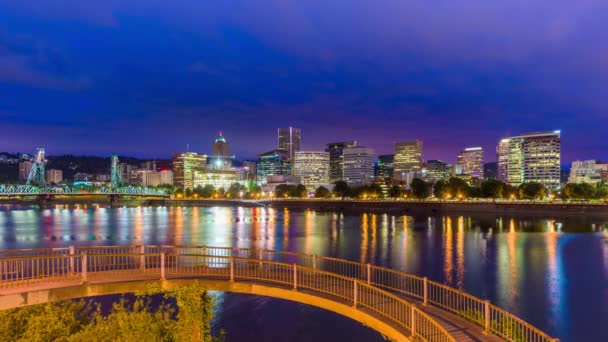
{"points": [[401, 306], [31, 190]]}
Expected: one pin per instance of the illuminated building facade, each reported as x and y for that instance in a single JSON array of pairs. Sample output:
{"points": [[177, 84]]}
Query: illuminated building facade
{"points": [[312, 167], [155, 178], [273, 163], [437, 170], [219, 178], [533, 157], [588, 171], [502, 159], [358, 165], [185, 165], [25, 166], [336, 159], [470, 161], [386, 166], [408, 159], [220, 158], [54, 176], [289, 140]]}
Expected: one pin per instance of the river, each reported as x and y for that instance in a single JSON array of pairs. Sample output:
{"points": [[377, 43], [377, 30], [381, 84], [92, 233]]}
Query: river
{"points": [[551, 272]]}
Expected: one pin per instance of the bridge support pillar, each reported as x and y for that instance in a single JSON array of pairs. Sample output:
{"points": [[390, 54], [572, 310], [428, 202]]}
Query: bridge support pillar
{"points": [[114, 200]]}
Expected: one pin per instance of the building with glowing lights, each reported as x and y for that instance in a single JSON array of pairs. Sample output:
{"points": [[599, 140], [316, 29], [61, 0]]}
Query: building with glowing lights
{"points": [[25, 166], [185, 165], [502, 159], [533, 157], [386, 166], [436, 170], [588, 171], [219, 178], [470, 161], [54, 176], [336, 159], [220, 157], [358, 165], [289, 140], [273, 163], [150, 178], [408, 160], [312, 167]]}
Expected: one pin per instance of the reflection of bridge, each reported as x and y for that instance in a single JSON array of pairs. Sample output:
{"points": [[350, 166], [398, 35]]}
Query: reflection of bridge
{"points": [[399, 305]]}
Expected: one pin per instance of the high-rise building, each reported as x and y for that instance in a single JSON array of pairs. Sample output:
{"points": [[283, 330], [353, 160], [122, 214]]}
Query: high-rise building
{"points": [[588, 171], [386, 166], [502, 159], [336, 160], [437, 170], [273, 163], [220, 158], [184, 166], [250, 170], [289, 140], [358, 165], [470, 161], [25, 166], [54, 176], [533, 157], [155, 178], [408, 159], [312, 167]]}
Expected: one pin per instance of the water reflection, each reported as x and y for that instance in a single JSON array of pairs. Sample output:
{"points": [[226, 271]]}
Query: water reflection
{"points": [[541, 269]]}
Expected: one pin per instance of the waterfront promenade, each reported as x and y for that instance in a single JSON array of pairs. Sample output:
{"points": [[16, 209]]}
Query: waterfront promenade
{"points": [[399, 305]]}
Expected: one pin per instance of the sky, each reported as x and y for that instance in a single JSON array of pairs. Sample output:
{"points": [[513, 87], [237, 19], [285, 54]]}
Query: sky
{"points": [[146, 78]]}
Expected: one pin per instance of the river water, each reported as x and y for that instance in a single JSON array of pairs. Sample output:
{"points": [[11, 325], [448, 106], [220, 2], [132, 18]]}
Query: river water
{"points": [[551, 272]]}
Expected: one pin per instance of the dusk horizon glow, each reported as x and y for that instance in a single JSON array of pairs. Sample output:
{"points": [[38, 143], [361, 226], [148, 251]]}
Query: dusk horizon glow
{"points": [[148, 78]]}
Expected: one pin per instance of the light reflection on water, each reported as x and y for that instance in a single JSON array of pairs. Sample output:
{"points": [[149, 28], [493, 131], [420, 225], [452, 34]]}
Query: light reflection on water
{"points": [[551, 272]]}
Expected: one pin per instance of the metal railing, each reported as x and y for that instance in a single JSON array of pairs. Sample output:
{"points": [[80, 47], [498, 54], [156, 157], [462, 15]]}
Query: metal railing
{"points": [[378, 289]]}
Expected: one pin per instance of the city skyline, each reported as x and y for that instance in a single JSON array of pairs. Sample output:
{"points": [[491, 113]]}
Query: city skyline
{"points": [[97, 79]]}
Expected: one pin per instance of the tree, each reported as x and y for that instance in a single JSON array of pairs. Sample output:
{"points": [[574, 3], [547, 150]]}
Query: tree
{"points": [[395, 191], [188, 192], [441, 189], [531, 190], [284, 190], [322, 192], [207, 191], [220, 192], [602, 189], [420, 189], [459, 188], [341, 189], [236, 190], [492, 188], [510, 191], [300, 191], [579, 191]]}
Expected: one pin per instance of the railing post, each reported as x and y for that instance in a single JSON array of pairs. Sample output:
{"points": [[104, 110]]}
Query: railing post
{"points": [[84, 267], [72, 251], [231, 268], [142, 260], [413, 320], [295, 276], [487, 317], [260, 257], [355, 293], [314, 261], [426, 291], [162, 266], [369, 274]]}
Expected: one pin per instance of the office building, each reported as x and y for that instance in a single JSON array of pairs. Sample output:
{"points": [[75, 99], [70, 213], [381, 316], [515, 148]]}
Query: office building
{"points": [[386, 166], [54, 176], [220, 157], [502, 159], [25, 166], [272, 182], [155, 178], [272, 163], [470, 161], [184, 166], [436, 170], [588, 171], [533, 157], [336, 160], [250, 169], [408, 160], [358, 165], [289, 140], [312, 167], [218, 178]]}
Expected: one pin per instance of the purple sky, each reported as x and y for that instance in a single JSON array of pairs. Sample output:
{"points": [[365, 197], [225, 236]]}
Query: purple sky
{"points": [[145, 78]]}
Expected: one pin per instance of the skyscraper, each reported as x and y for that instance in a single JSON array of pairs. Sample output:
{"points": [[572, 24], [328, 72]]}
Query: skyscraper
{"points": [[272, 163], [588, 171], [358, 165], [220, 146], [502, 159], [408, 159], [437, 170], [470, 161], [289, 140], [533, 157], [386, 166], [185, 165], [312, 167], [336, 159]]}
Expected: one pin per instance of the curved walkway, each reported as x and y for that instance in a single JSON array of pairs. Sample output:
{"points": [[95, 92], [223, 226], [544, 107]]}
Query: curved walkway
{"points": [[398, 305]]}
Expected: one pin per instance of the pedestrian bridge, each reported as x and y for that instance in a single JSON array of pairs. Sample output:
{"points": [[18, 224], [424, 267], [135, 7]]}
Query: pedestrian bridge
{"points": [[401, 306]]}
